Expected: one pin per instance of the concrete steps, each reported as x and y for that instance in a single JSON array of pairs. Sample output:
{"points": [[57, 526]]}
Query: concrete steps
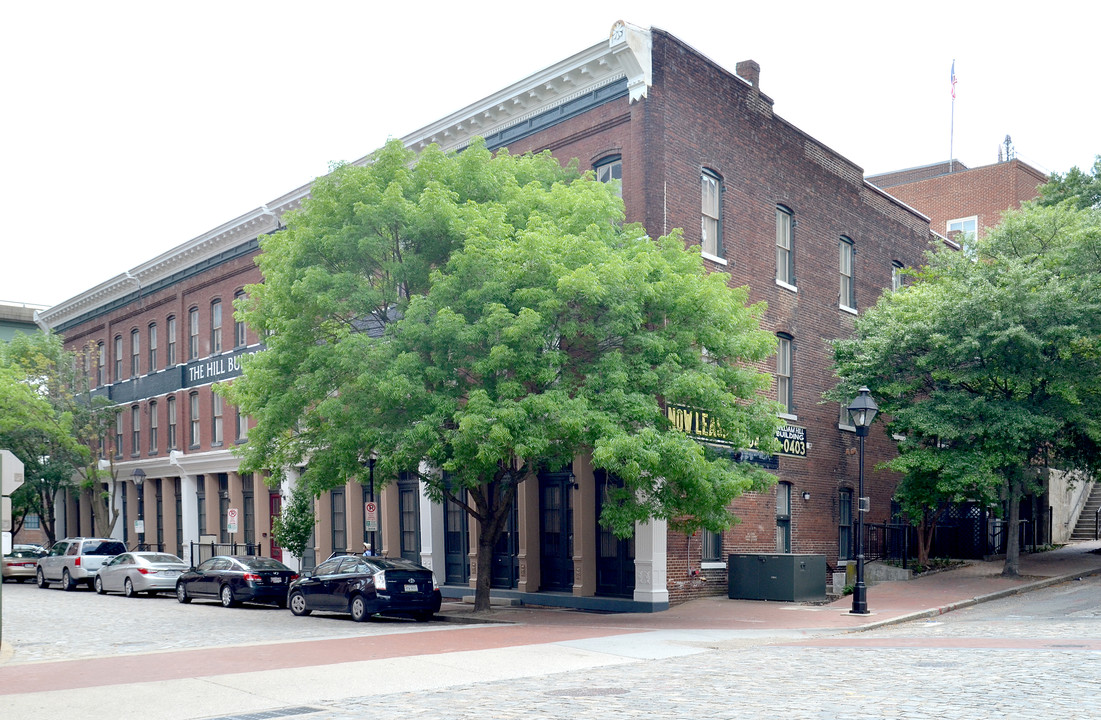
{"points": [[1085, 528]]}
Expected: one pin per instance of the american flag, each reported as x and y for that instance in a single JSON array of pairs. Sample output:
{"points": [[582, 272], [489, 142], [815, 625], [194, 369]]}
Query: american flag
{"points": [[953, 79]]}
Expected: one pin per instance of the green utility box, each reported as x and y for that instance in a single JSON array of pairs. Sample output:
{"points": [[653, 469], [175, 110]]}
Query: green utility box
{"points": [[787, 578]]}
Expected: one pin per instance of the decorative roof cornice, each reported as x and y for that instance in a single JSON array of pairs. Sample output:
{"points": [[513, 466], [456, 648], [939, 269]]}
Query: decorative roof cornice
{"points": [[625, 54]]}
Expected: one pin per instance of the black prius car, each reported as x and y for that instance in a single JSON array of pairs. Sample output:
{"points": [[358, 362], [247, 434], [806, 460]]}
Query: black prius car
{"points": [[365, 586], [234, 579]]}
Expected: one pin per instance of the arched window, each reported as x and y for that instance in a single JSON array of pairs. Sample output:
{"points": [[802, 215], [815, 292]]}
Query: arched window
{"points": [[216, 326], [240, 335], [610, 169], [193, 333], [135, 353], [152, 347]]}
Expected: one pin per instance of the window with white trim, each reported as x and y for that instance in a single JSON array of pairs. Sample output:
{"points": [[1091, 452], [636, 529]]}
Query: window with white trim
{"points": [[785, 245], [846, 254], [610, 169], [784, 390], [711, 191]]}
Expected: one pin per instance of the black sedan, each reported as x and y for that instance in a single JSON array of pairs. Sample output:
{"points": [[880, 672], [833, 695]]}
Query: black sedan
{"points": [[237, 579], [365, 586]]}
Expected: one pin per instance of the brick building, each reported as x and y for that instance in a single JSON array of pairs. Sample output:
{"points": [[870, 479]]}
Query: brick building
{"points": [[963, 199], [693, 145]]}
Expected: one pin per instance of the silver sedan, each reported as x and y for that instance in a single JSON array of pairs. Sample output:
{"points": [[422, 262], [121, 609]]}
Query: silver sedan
{"points": [[140, 572]]}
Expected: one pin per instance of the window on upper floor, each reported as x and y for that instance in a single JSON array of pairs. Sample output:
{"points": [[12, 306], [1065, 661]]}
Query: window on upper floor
{"points": [[785, 246], [135, 430], [152, 347], [118, 433], [170, 339], [216, 326], [170, 408], [216, 420], [154, 424], [101, 362], [193, 333], [896, 275], [847, 254], [784, 390], [610, 169], [193, 417], [240, 334], [241, 425], [711, 232], [968, 228], [135, 353], [118, 358]]}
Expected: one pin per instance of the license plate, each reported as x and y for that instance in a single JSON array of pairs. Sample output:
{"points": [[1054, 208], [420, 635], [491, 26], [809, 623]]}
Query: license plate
{"points": [[410, 587], [28, 564], [277, 580], [171, 573]]}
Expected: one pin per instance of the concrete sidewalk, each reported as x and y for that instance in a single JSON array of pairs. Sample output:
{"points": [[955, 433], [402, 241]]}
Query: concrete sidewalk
{"points": [[890, 602]]}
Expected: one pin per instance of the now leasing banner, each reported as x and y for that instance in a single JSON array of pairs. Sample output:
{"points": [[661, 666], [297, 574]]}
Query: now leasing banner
{"points": [[703, 427]]}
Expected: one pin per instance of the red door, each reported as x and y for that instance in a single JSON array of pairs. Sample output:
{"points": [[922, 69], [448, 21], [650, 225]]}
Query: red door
{"points": [[275, 504]]}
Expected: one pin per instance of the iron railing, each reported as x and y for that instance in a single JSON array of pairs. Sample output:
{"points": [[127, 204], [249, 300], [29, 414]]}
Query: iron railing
{"points": [[206, 550]]}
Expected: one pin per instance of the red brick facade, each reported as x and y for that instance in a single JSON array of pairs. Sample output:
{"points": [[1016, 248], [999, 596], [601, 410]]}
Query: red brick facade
{"points": [[950, 191]]}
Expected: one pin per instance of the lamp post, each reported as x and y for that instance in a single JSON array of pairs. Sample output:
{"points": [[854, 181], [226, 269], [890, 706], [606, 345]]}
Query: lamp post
{"points": [[138, 477], [369, 536], [862, 411]]}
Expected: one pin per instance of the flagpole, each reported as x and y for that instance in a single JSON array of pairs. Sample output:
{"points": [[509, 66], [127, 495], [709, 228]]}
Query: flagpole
{"points": [[952, 124]]}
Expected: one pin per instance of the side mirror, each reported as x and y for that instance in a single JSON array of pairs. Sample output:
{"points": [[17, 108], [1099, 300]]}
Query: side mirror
{"points": [[306, 573]]}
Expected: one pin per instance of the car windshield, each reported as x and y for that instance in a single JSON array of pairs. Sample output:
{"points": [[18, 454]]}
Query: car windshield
{"points": [[161, 558], [262, 563], [103, 547]]}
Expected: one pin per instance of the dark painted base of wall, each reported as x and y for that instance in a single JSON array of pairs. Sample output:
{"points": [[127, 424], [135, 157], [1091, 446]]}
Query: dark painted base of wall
{"points": [[564, 600]]}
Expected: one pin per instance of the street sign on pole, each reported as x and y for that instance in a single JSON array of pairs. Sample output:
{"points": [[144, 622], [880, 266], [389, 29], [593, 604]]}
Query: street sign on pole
{"points": [[370, 517], [231, 520]]}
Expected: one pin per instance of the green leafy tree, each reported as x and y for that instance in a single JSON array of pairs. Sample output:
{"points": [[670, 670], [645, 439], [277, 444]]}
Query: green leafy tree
{"points": [[1082, 189], [52, 422], [293, 528], [989, 366], [475, 319]]}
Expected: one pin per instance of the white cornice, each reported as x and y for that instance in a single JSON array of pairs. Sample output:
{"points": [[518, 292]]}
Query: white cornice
{"points": [[625, 54]]}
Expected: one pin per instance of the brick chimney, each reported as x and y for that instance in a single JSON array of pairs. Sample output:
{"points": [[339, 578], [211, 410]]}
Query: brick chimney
{"points": [[749, 71]]}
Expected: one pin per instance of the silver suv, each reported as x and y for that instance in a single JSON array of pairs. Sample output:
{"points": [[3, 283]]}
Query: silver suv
{"points": [[76, 560]]}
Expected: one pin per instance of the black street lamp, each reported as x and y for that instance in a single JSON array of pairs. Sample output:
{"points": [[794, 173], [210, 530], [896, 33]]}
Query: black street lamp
{"points": [[138, 477], [862, 411], [370, 544]]}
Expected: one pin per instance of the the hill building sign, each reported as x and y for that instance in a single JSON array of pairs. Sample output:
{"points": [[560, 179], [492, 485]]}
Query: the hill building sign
{"points": [[701, 426]]}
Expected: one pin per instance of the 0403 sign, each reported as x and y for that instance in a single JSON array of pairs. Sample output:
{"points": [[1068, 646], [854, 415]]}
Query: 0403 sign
{"points": [[793, 440]]}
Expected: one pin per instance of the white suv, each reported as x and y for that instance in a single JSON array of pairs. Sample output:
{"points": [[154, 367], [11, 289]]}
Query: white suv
{"points": [[76, 560]]}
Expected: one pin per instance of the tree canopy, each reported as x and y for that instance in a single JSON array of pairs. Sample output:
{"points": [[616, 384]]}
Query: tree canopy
{"points": [[477, 318], [989, 365], [1083, 189], [49, 419]]}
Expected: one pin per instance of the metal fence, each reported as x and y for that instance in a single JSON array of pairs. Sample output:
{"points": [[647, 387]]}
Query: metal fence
{"points": [[966, 531], [201, 551]]}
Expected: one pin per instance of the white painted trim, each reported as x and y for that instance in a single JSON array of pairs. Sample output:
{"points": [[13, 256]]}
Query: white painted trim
{"points": [[846, 308], [785, 286], [713, 258]]}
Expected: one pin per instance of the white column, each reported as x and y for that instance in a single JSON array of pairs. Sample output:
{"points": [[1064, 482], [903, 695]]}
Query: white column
{"points": [[650, 562], [189, 514], [118, 487], [432, 538], [286, 487]]}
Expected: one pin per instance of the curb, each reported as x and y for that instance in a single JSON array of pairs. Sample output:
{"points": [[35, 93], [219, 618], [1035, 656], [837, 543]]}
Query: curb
{"points": [[943, 609]]}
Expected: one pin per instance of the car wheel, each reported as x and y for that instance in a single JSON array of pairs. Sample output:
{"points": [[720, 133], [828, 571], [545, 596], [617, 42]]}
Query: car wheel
{"points": [[127, 588], [359, 608], [99, 586], [67, 581], [227, 596], [423, 615], [298, 604], [41, 579], [181, 594]]}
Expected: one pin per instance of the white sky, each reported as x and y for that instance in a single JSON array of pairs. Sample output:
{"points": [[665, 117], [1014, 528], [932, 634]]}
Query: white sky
{"points": [[129, 128]]}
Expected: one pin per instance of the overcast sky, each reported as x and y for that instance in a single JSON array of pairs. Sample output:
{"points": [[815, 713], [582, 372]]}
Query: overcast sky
{"points": [[132, 127]]}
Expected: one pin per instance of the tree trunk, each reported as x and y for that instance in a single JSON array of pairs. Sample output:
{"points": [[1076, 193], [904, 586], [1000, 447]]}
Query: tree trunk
{"points": [[104, 512], [1012, 566], [483, 579], [925, 541]]}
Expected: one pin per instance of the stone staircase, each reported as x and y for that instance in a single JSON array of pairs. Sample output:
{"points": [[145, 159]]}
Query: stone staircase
{"points": [[1085, 528]]}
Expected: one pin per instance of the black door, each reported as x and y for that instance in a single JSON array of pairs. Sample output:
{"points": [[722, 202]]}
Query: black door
{"points": [[555, 532], [456, 543], [615, 557], [409, 517], [505, 572]]}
